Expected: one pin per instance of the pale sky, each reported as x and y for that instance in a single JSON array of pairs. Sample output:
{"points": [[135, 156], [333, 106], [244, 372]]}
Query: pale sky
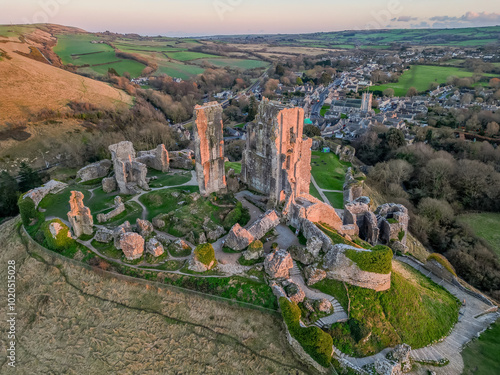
{"points": [[210, 17]]}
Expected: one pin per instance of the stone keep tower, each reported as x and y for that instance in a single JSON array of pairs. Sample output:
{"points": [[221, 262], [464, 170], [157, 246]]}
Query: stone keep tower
{"points": [[209, 148], [277, 157]]}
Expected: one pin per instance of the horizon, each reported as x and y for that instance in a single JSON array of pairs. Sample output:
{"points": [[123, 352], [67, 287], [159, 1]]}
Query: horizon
{"points": [[198, 18]]}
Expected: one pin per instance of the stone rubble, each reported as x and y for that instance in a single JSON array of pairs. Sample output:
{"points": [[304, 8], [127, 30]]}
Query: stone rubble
{"points": [[154, 247], [278, 264], [132, 245]]}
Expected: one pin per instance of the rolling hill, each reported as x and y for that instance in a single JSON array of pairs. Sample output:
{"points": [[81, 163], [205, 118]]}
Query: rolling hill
{"points": [[31, 79]]}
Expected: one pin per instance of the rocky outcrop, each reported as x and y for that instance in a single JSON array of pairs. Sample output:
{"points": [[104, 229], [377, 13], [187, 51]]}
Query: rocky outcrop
{"points": [[154, 247], [339, 267], [255, 251], [308, 254], [278, 264], [129, 173], [104, 235], [79, 217], [132, 245], [94, 171], [119, 208], [277, 157], [209, 148], [156, 159], [51, 187], [203, 258], [144, 227], [182, 159], [239, 238]]}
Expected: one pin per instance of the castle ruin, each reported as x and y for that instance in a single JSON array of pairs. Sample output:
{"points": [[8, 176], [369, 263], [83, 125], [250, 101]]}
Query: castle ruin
{"points": [[277, 157]]}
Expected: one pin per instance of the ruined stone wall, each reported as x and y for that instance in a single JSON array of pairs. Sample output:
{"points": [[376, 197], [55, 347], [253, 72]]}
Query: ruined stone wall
{"points": [[277, 158], [340, 267], [209, 148], [129, 172]]}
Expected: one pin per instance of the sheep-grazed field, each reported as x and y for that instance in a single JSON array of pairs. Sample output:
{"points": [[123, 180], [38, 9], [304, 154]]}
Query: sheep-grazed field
{"points": [[72, 321]]}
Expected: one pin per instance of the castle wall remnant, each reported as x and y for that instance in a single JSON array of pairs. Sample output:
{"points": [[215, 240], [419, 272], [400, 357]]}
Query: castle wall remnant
{"points": [[393, 223], [157, 159], [129, 173], [277, 157], [209, 148], [79, 217]]}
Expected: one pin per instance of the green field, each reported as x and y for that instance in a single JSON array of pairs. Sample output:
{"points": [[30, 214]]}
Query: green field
{"points": [[188, 56], [481, 356], [179, 70], [421, 76], [383, 38], [236, 63], [78, 50], [68, 45], [134, 68], [485, 225], [328, 170]]}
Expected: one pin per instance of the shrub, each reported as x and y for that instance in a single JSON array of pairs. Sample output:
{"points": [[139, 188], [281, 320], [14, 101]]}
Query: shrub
{"points": [[27, 209], [239, 214], [442, 261], [313, 340], [63, 239], [205, 253], [256, 246], [378, 260]]}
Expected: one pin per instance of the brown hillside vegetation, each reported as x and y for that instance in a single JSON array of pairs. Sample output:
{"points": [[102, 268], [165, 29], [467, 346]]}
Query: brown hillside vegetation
{"points": [[28, 86], [72, 321]]}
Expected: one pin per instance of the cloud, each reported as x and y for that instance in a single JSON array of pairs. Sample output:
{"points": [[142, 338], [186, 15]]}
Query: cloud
{"points": [[468, 19], [421, 25], [404, 19]]}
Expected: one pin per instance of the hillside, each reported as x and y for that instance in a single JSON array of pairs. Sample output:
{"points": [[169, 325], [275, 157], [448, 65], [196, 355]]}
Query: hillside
{"points": [[463, 37], [31, 81], [107, 325]]}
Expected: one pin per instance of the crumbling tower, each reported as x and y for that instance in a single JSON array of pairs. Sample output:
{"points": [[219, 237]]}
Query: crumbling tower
{"points": [[277, 157], [209, 148]]}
